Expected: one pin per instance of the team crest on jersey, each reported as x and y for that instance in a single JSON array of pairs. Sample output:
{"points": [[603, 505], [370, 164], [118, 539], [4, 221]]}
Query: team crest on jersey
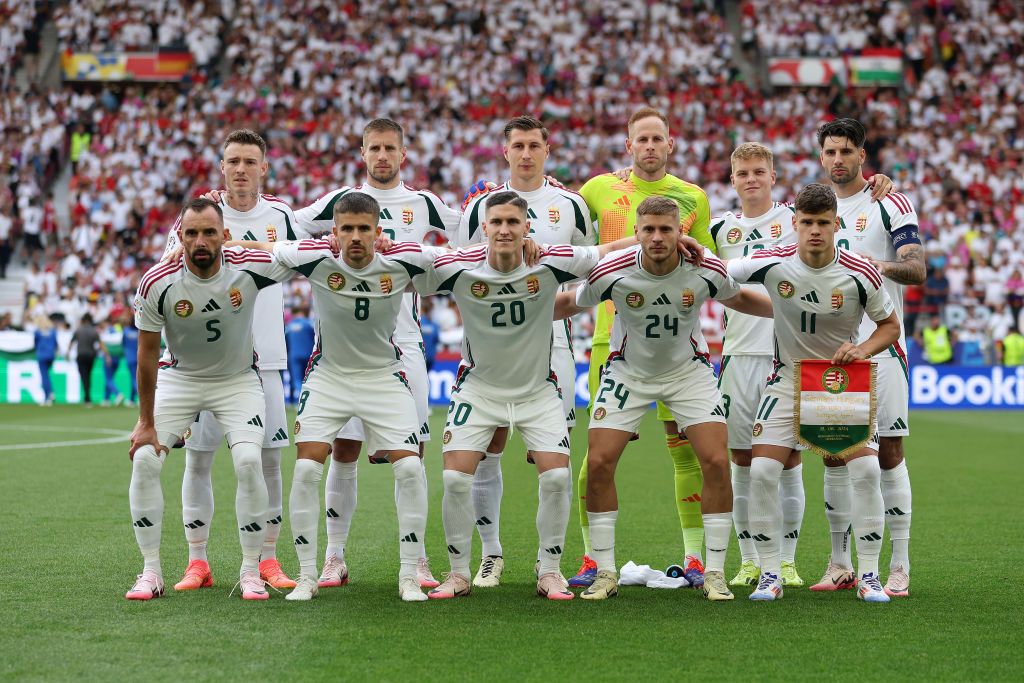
{"points": [[776, 230], [271, 233], [386, 284], [407, 216], [634, 299], [837, 299], [533, 284], [758, 428], [188, 434], [447, 437], [600, 413], [786, 289], [184, 308], [138, 304], [298, 427], [236, 298], [688, 298], [554, 215], [835, 380], [335, 281], [862, 223], [734, 236], [479, 289]]}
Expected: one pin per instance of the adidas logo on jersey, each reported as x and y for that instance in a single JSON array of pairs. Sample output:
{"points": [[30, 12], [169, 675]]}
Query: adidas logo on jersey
{"points": [[361, 287], [898, 424], [281, 435], [249, 237], [662, 300], [507, 289], [210, 306], [257, 421], [531, 214], [385, 215], [564, 443], [755, 234], [811, 297], [412, 440]]}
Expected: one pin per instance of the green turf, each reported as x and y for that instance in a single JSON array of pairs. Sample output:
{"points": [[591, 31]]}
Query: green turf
{"points": [[68, 555]]}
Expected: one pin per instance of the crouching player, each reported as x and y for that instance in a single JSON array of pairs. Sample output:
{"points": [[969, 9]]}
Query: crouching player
{"points": [[659, 354], [820, 294]]}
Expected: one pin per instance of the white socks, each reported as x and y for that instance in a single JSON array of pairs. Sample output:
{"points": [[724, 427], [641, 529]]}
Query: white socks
{"points": [[896, 499], [765, 513], [271, 459], [602, 538], [553, 516], [487, 490], [197, 501], [146, 501], [717, 529], [340, 500], [304, 512], [411, 504], [839, 514], [740, 512], [457, 517], [791, 493], [250, 502], [868, 512]]}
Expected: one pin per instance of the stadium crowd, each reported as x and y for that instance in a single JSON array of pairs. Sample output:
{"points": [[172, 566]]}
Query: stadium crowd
{"points": [[309, 75]]}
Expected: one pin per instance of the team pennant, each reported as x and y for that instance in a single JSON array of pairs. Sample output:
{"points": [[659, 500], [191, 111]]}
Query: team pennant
{"points": [[835, 406]]}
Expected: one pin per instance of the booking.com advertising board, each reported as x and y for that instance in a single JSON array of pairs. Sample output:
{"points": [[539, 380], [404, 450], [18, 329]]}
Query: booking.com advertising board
{"points": [[931, 387]]}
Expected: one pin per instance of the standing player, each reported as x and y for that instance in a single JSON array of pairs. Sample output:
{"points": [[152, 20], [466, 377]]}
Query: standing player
{"points": [[557, 217], [257, 217], [406, 215], [613, 203], [844, 288], [886, 234], [204, 303], [658, 298]]}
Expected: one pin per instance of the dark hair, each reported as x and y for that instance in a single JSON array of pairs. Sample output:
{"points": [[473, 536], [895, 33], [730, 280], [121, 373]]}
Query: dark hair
{"points": [[657, 205], [525, 123], [507, 197], [851, 129], [244, 136], [816, 198], [384, 126], [200, 204], [357, 202]]}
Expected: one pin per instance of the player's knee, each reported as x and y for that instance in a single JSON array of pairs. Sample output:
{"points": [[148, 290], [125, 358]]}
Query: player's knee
{"points": [[406, 469], [248, 462], [146, 462], [556, 480], [765, 471], [716, 467], [600, 468], [865, 475], [457, 483]]}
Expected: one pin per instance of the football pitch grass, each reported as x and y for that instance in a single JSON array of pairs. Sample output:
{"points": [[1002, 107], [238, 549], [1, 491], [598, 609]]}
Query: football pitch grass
{"points": [[68, 555]]}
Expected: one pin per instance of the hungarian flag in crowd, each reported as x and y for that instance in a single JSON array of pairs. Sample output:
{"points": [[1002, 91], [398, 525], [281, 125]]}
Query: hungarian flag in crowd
{"points": [[834, 412], [877, 66]]}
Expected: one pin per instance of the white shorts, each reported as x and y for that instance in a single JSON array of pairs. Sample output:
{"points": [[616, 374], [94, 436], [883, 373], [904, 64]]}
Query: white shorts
{"points": [[419, 383], [564, 365], [892, 394], [380, 399], [773, 422], [690, 394], [205, 434], [473, 416], [741, 381], [237, 406]]}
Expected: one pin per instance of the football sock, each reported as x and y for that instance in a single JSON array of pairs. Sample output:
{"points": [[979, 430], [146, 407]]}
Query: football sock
{"points": [[791, 492], [146, 501], [765, 514], [602, 531], [487, 490], [740, 508], [553, 516], [689, 480], [581, 486], [250, 502], [341, 492], [457, 518], [896, 499], [304, 512], [717, 529], [412, 513], [838, 513], [197, 501], [271, 458], [868, 512]]}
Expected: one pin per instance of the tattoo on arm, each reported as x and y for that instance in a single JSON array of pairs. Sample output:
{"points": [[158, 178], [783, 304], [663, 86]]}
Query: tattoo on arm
{"points": [[909, 268]]}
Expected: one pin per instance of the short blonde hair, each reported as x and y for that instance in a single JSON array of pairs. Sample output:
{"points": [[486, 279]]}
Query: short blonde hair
{"points": [[752, 150], [644, 113]]}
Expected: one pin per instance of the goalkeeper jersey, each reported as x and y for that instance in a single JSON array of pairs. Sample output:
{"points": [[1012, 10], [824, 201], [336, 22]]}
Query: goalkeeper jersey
{"points": [[612, 203]]}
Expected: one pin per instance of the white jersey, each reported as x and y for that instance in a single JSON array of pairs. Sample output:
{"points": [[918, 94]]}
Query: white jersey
{"points": [[207, 324], [816, 310], [270, 220], [557, 216], [357, 307], [657, 317], [736, 236], [878, 229], [507, 316], [406, 215]]}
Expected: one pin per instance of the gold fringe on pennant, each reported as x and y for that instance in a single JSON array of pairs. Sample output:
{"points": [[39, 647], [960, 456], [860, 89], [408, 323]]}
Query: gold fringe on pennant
{"points": [[872, 416]]}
